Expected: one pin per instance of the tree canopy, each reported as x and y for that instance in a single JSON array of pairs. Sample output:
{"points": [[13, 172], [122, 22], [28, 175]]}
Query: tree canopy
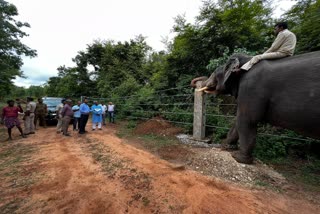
{"points": [[11, 48], [304, 17]]}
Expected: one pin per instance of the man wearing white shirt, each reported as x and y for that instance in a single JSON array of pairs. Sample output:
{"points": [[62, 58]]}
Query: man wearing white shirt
{"points": [[111, 112], [76, 116], [282, 46], [104, 109]]}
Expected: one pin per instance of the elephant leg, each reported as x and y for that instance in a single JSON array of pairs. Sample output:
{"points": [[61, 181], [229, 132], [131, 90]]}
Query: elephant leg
{"points": [[230, 143], [247, 134]]}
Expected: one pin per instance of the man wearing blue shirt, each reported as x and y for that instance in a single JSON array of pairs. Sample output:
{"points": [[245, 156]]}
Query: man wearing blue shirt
{"points": [[76, 116], [84, 115], [96, 115]]}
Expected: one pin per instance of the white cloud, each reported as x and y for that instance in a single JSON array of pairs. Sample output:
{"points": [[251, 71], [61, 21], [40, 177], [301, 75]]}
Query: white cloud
{"points": [[282, 6]]}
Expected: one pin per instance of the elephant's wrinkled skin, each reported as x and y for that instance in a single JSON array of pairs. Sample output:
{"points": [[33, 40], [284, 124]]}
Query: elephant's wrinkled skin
{"points": [[283, 92]]}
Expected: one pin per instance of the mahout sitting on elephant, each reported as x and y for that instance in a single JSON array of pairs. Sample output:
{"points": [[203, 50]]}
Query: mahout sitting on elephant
{"points": [[283, 92], [283, 46]]}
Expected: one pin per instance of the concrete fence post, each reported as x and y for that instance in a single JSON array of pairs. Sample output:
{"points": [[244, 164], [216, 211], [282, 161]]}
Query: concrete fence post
{"points": [[199, 114]]}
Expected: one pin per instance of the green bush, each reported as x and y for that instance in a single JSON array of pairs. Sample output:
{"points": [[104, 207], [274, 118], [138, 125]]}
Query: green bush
{"points": [[268, 148], [273, 143], [131, 124]]}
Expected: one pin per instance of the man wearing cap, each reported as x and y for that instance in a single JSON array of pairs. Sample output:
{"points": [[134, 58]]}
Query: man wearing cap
{"points": [[84, 115], [29, 116], [67, 114]]}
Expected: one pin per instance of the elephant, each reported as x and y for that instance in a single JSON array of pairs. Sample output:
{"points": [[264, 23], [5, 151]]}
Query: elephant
{"points": [[282, 92]]}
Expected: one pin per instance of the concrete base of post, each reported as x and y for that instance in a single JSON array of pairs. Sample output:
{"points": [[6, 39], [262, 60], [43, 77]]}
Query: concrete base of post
{"points": [[199, 116]]}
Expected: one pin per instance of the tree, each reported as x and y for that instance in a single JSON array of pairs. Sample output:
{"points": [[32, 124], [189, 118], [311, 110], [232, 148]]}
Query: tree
{"points": [[71, 83], [154, 70], [121, 61], [51, 87], [18, 92], [35, 91], [304, 17], [11, 48], [222, 25], [84, 78]]}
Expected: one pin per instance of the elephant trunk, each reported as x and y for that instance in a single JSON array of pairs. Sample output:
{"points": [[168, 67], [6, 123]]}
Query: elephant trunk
{"points": [[195, 80]]}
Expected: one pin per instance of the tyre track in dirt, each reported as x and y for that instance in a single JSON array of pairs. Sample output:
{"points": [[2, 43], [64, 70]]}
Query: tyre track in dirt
{"points": [[73, 183], [201, 194], [78, 179]]}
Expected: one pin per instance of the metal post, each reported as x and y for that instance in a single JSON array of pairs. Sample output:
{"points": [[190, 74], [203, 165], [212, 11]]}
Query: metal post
{"points": [[199, 116]]}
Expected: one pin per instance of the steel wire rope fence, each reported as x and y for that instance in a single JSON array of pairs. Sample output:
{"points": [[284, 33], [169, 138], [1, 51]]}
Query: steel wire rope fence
{"points": [[148, 109], [208, 125], [185, 113], [175, 105], [281, 136], [156, 91], [170, 121]]}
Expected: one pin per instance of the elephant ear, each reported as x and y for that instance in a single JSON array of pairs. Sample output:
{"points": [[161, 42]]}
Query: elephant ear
{"points": [[232, 64]]}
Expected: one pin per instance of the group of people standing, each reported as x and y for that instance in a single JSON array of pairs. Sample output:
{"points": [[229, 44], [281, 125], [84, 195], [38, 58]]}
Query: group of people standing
{"points": [[33, 113], [36, 112], [80, 113]]}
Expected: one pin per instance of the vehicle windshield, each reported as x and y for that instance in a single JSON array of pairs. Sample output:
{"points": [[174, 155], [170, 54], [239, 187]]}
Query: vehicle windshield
{"points": [[52, 102]]}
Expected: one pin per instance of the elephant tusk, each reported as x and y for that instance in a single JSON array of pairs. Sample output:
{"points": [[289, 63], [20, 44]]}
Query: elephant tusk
{"points": [[201, 89]]}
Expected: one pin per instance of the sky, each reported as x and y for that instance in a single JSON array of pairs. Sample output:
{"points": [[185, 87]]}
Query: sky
{"points": [[61, 28]]}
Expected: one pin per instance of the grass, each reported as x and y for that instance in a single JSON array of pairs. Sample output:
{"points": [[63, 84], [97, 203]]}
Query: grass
{"points": [[14, 159], [302, 172], [149, 141], [12, 156], [104, 156], [155, 142], [268, 185], [145, 201], [126, 129], [3, 133], [11, 206], [115, 167], [261, 183]]}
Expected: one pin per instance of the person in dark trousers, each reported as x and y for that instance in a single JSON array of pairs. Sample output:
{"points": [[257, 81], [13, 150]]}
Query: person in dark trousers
{"points": [[111, 112], [67, 115], [10, 118], [104, 109], [76, 116], [59, 115], [40, 113], [84, 115]]}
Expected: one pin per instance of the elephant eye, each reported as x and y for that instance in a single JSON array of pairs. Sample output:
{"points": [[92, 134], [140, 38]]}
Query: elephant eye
{"points": [[227, 66]]}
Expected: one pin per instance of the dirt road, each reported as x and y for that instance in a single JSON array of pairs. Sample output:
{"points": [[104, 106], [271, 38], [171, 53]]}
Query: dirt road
{"points": [[101, 173]]}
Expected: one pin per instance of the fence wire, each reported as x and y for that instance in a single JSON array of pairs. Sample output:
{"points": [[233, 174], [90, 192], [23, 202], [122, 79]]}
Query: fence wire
{"points": [[170, 121], [187, 104]]}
